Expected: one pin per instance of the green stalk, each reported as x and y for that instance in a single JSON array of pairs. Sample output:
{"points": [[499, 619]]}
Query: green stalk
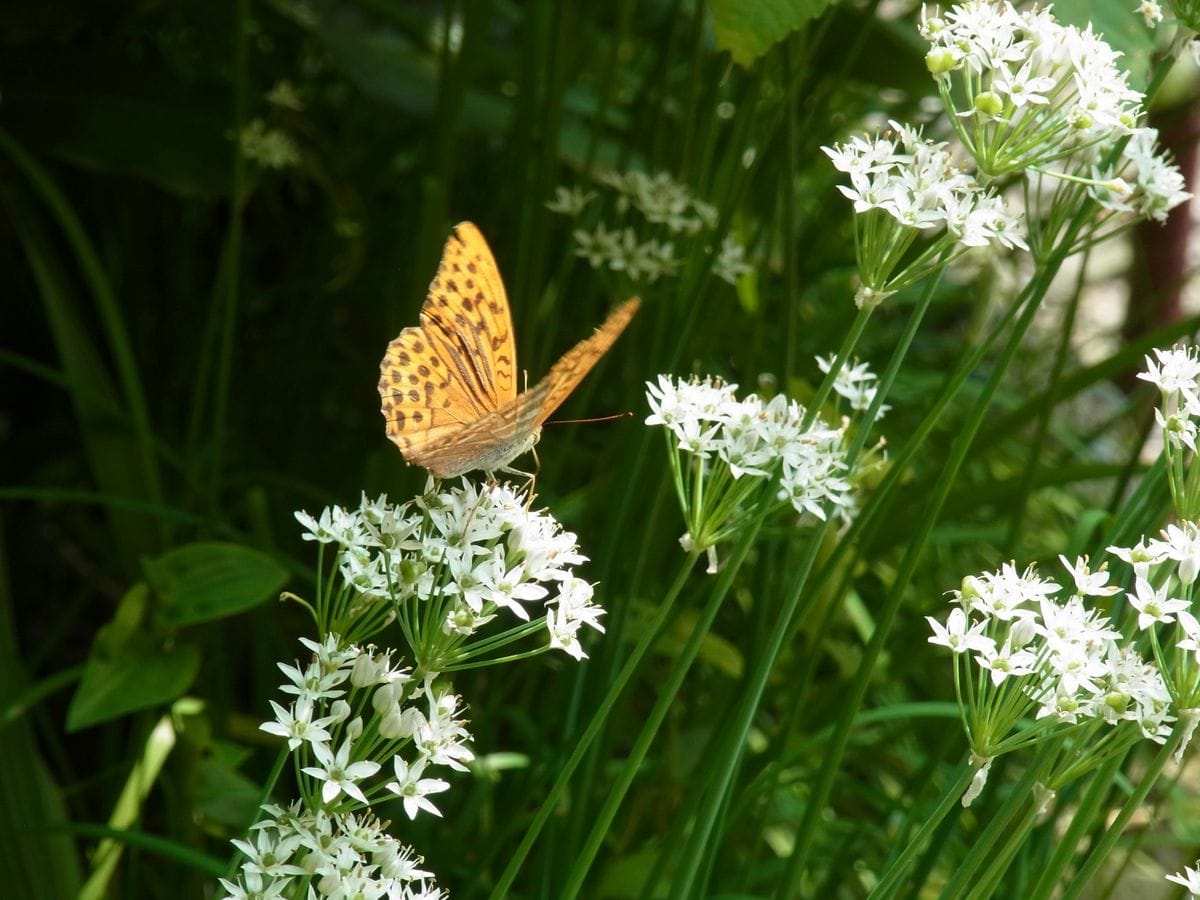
{"points": [[656, 716], [1061, 352], [983, 847], [889, 882], [599, 719], [1133, 803], [233, 250], [857, 691], [106, 304], [1081, 820], [1014, 839], [765, 661]]}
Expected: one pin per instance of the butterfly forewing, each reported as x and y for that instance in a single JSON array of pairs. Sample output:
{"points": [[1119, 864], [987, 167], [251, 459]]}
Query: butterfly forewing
{"points": [[467, 318]]}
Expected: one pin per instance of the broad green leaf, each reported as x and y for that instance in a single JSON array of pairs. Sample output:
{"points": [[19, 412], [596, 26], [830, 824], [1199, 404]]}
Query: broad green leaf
{"points": [[181, 147], [39, 856], [206, 581], [224, 795], [749, 28], [127, 670]]}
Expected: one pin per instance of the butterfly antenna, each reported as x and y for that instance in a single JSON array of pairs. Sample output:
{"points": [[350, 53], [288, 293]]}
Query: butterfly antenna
{"points": [[622, 415]]}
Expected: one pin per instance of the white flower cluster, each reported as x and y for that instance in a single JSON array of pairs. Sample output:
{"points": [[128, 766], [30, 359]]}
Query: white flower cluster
{"points": [[622, 251], [754, 437], [662, 202], [856, 384], [270, 148], [1031, 88], [336, 854], [414, 726], [1066, 659], [474, 551], [661, 199], [730, 264], [1177, 376], [918, 183], [1157, 183]]}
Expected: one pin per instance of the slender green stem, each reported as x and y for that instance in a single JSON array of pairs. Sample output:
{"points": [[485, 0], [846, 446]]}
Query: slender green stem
{"points": [[666, 697], [1083, 816], [599, 719], [890, 880], [233, 250], [1061, 354], [857, 691], [106, 303], [1133, 804], [983, 847]]}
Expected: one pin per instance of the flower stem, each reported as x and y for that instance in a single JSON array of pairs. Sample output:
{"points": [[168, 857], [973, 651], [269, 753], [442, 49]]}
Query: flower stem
{"points": [[656, 716], [599, 718]]}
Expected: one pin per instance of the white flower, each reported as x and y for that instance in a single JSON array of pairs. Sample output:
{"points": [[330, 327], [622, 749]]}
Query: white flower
{"points": [[1140, 556], [1005, 662], [1087, 582], [1153, 606], [1182, 544], [1176, 372], [857, 383], [339, 774], [1035, 90], [731, 262], [1189, 878], [569, 201], [1150, 11], [960, 635], [413, 789], [296, 723], [270, 854]]}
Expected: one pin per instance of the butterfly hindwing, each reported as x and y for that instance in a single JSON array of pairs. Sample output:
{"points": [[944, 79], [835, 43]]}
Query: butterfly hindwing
{"points": [[564, 376]]}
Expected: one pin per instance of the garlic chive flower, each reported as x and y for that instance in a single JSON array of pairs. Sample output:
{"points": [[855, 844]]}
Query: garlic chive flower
{"points": [[1141, 183], [1022, 89], [735, 458], [1176, 374], [917, 208], [1033, 663], [645, 227], [1189, 878], [855, 383], [333, 854], [354, 711], [449, 565]]}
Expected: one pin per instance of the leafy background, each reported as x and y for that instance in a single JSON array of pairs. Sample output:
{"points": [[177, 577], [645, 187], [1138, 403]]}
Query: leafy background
{"points": [[190, 344]]}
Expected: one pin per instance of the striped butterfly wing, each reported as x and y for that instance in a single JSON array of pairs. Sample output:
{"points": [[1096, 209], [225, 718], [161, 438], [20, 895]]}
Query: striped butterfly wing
{"points": [[494, 441], [458, 366]]}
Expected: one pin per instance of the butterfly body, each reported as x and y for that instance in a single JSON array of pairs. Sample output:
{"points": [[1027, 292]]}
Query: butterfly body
{"points": [[448, 385]]}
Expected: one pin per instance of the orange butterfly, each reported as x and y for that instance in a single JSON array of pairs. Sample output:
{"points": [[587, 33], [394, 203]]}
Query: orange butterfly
{"points": [[448, 385]]}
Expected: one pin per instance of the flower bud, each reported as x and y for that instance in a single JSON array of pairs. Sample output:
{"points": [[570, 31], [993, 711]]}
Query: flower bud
{"points": [[989, 104], [940, 60], [339, 710]]}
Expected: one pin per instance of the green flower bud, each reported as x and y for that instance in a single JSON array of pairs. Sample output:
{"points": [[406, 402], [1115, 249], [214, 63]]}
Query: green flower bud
{"points": [[940, 60], [989, 104]]}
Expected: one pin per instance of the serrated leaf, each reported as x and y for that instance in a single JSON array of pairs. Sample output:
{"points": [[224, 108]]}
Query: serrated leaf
{"points": [[211, 580], [749, 28], [136, 677]]}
